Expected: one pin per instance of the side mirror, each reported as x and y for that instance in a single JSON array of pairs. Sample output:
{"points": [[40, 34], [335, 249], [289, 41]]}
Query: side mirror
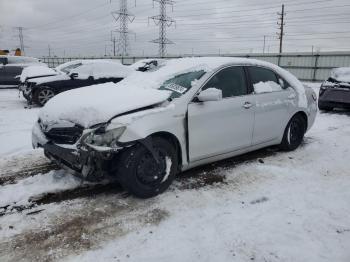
{"points": [[73, 75], [210, 94]]}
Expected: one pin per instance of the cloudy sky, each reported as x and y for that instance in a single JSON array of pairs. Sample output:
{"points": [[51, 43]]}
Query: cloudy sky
{"points": [[83, 27]]}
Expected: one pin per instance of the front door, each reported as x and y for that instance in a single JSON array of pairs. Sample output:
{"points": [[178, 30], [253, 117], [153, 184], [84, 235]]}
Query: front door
{"points": [[219, 127]]}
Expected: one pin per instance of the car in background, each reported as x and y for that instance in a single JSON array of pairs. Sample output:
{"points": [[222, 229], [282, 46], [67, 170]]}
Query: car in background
{"points": [[335, 91], [85, 73], [191, 111], [148, 64], [11, 67], [37, 71]]}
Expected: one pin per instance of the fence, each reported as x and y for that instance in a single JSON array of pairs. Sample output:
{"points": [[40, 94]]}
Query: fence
{"points": [[306, 66]]}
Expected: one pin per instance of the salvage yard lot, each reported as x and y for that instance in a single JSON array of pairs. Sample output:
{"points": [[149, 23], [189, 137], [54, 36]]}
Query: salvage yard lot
{"points": [[264, 206]]}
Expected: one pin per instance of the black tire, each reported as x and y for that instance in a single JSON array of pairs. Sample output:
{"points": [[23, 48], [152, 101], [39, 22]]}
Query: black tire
{"points": [[140, 174], [294, 133], [42, 95]]}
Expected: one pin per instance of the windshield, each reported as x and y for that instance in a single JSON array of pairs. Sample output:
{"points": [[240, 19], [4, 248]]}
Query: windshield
{"points": [[180, 84], [70, 67]]}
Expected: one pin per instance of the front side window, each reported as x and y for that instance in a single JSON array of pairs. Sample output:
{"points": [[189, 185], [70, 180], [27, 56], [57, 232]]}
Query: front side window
{"points": [[180, 84], [231, 81], [264, 80]]}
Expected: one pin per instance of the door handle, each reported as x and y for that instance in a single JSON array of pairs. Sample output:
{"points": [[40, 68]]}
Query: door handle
{"points": [[247, 105]]}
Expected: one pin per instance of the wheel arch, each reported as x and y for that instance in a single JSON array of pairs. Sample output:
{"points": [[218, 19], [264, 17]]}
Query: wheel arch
{"points": [[173, 140], [304, 116]]}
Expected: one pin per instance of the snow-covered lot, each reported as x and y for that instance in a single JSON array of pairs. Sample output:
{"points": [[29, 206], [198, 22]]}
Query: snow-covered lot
{"points": [[263, 206]]}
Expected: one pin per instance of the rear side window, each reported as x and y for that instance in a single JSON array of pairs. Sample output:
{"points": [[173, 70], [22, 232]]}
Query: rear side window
{"points": [[264, 80], [231, 81]]}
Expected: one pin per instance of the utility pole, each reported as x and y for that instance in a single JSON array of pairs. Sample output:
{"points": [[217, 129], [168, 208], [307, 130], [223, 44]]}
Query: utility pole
{"points": [[281, 28], [264, 44], [49, 48], [123, 17], [21, 40], [113, 39], [163, 21]]}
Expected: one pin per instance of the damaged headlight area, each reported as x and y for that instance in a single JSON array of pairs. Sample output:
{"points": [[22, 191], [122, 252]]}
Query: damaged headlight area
{"points": [[102, 138]]}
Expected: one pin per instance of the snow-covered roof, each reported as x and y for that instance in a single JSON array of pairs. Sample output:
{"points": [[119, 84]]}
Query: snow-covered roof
{"points": [[342, 74], [183, 65], [102, 69]]}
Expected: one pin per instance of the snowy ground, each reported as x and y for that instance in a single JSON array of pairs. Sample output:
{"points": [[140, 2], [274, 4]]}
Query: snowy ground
{"points": [[264, 206]]}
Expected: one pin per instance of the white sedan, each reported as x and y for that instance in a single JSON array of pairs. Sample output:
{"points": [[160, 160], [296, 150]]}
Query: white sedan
{"points": [[145, 129]]}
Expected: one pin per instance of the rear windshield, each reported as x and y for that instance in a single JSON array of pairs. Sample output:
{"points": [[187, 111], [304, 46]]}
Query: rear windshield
{"points": [[180, 84]]}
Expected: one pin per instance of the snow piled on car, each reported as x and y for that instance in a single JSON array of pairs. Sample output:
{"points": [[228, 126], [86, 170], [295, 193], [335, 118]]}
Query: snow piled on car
{"points": [[266, 87], [342, 74], [102, 69], [208, 64], [36, 70], [97, 104]]}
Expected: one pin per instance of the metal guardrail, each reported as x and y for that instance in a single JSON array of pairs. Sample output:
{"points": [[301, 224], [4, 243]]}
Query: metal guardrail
{"points": [[306, 66]]}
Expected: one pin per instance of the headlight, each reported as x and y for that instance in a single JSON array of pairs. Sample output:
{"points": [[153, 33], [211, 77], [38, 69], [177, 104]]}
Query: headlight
{"points": [[107, 139]]}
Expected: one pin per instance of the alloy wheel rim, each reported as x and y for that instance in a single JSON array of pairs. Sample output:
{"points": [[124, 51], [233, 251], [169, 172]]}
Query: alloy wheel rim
{"points": [[44, 96]]}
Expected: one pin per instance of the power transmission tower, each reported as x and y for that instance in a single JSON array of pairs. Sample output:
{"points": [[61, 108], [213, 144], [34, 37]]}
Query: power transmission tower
{"points": [[163, 21], [281, 23], [21, 40], [123, 17]]}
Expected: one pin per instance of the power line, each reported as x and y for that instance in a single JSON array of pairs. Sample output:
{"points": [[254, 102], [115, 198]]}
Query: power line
{"points": [[163, 21]]}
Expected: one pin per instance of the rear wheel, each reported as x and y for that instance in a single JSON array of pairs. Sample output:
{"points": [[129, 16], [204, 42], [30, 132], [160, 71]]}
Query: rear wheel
{"points": [[145, 174], [294, 133], [42, 95]]}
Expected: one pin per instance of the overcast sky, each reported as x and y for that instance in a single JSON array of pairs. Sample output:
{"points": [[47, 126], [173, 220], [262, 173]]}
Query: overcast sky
{"points": [[83, 27]]}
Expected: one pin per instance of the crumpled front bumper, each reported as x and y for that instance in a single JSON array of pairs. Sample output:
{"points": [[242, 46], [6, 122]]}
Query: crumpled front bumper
{"points": [[81, 161]]}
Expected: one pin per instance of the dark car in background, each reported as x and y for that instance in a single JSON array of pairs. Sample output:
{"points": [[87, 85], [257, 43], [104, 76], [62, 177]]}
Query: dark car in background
{"points": [[11, 67], [88, 72], [335, 91]]}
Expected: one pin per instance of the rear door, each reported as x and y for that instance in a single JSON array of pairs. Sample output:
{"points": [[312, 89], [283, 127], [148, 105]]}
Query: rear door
{"points": [[219, 127], [272, 104]]}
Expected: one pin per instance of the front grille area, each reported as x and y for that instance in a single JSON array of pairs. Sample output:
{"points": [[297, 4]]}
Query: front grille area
{"points": [[64, 135]]}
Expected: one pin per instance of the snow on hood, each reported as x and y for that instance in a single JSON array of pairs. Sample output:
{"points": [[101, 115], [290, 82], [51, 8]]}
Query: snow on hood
{"points": [[36, 71], [96, 104], [48, 79], [183, 65], [341, 74]]}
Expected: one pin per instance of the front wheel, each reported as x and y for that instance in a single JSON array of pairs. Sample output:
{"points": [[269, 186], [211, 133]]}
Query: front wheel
{"points": [[42, 95], [145, 174], [294, 133]]}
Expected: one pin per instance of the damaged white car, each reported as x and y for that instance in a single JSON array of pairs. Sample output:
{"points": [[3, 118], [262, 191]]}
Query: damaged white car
{"points": [[145, 129]]}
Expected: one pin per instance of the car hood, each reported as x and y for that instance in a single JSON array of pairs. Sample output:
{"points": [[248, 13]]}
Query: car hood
{"points": [[36, 71], [97, 104], [48, 79]]}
